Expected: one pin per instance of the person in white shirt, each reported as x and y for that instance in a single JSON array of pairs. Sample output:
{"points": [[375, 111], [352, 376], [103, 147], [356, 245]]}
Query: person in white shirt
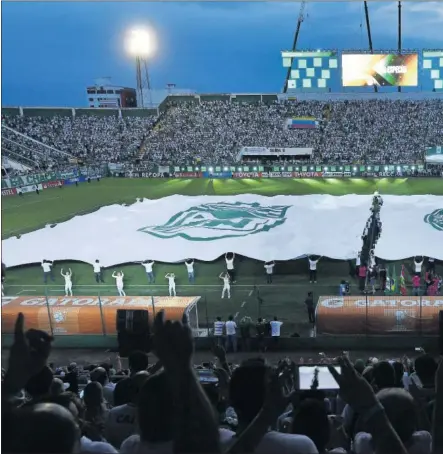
{"points": [[98, 272], [269, 267], [148, 266], [247, 395], [275, 331], [230, 257], [68, 281], [190, 267], [119, 282], [357, 263], [313, 268], [218, 331], [47, 270], [231, 334], [226, 284], [171, 279], [418, 262]]}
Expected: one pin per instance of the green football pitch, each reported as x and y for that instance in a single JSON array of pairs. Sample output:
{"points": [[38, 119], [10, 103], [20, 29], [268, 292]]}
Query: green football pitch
{"points": [[284, 298]]}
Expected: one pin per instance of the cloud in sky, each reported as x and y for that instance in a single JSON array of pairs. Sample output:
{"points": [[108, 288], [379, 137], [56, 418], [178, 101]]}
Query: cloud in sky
{"points": [[52, 51]]}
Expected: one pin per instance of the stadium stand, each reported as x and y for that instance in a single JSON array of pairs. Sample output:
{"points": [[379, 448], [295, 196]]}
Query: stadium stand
{"points": [[350, 131], [391, 405]]}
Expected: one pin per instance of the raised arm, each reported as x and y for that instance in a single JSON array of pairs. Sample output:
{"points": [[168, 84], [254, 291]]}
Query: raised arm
{"points": [[123, 275], [70, 272], [221, 276], [114, 275], [61, 272], [167, 276]]}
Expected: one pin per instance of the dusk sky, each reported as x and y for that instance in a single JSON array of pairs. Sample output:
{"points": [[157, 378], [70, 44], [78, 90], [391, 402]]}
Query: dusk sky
{"points": [[52, 51]]}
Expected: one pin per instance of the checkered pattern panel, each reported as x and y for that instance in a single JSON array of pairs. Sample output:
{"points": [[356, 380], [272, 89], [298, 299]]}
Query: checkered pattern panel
{"points": [[432, 67]]}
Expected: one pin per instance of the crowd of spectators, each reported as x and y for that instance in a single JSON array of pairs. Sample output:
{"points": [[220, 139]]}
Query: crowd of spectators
{"points": [[92, 138], [374, 406], [213, 132]]}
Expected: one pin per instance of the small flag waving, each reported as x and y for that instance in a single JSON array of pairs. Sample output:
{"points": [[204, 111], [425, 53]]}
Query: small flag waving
{"points": [[403, 289]]}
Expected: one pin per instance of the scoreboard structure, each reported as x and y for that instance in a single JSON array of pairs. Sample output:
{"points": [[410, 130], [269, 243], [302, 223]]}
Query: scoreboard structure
{"points": [[332, 70], [312, 70]]}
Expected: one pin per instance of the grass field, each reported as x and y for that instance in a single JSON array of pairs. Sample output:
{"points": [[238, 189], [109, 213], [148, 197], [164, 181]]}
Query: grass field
{"points": [[284, 298]]}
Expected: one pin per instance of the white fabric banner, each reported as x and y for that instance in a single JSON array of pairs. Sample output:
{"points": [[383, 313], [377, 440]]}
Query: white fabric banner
{"points": [[411, 225], [205, 227]]}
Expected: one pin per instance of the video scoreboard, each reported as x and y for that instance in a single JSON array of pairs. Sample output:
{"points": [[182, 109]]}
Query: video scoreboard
{"points": [[325, 70]]}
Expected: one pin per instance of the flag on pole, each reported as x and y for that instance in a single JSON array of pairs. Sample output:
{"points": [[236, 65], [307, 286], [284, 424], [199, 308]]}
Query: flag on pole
{"points": [[403, 289], [388, 282], [393, 281]]}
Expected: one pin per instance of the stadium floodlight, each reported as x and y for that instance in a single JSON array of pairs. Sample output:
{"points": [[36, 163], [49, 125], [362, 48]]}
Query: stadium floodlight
{"points": [[398, 168], [369, 167], [326, 169], [386, 168], [240, 169], [413, 168], [341, 168], [355, 169], [282, 168], [196, 169], [255, 168], [141, 44], [211, 169], [225, 169], [312, 168]]}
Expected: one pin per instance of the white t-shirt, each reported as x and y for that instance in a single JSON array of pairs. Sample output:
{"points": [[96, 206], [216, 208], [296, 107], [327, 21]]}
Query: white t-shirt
{"points": [[358, 261], [190, 266], [230, 264], [171, 280], [119, 281], [418, 266], [68, 280], [46, 267], [97, 267], [226, 281], [312, 264], [269, 268], [218, 328], [87, 446], [276, 442], [120, 424], [275, 327], [419, 444], [133, 444], [231, 326], [148, 266]]}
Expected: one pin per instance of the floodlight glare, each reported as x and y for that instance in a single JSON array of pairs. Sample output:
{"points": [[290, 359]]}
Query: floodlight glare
{"points": [[141, 43]]}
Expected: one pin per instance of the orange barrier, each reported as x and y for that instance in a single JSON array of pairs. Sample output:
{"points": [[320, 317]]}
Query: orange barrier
{"points": [[378, 314], [86, 314]]}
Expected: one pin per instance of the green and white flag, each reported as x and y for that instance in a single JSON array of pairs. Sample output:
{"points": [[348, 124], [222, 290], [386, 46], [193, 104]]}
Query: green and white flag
{"points": [[175, 228]]}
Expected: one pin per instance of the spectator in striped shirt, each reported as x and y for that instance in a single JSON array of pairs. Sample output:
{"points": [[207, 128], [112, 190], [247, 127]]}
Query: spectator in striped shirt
{"points": [[218, 331]]}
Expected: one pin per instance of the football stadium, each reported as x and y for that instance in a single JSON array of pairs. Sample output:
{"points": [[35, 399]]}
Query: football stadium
{"points": [[225, 269]]}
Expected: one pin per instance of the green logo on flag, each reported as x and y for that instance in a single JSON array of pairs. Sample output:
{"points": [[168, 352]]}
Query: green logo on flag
{"points": [[214, 221], [435, 219]]}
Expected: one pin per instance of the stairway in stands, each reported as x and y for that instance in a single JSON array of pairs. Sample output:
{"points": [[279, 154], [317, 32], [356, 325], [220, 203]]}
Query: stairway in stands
{"points": [[142, 147]]}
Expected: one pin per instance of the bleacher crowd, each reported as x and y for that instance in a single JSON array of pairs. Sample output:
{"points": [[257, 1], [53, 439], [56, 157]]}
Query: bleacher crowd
{"points": [[357, 131], [376, 406]]}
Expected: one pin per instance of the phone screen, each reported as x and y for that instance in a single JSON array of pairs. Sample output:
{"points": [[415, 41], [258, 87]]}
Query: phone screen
{"points": [[207, 376], [325, 379]]}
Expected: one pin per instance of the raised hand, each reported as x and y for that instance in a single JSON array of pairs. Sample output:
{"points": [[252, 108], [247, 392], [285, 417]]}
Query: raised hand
{"points": [[29, 352], [276, 400], [173, 342], [354, 389]]}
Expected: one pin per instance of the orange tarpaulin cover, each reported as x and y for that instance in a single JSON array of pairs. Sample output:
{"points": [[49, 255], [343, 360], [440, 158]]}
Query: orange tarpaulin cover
{"points": [[83, 314], [378, 314]]}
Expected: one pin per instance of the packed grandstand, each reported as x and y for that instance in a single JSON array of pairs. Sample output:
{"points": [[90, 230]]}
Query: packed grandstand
{"points": [[178, 401]]}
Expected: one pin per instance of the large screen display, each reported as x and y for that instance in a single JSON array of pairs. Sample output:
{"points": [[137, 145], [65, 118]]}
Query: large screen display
{"points": [[385, 70]]}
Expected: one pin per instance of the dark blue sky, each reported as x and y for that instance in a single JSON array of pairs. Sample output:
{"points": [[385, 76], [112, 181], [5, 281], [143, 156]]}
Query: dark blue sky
{"points": [[52, 51]]}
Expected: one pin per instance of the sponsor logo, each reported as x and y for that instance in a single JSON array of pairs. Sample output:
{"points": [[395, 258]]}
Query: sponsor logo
{"points": [[186, 174], [247, 174], [51, 184], [12, 191], [277, 174], [214, 221], [435, 219], [307, 174], [132, 174]]}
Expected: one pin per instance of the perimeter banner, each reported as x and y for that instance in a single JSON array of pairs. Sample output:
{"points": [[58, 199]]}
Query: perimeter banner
{"points": [[85, 314], [378, 315], [6, 192], [132, 174]]}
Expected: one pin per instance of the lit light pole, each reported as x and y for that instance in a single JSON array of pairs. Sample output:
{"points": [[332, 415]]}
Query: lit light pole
{"points": [[141, 44]]}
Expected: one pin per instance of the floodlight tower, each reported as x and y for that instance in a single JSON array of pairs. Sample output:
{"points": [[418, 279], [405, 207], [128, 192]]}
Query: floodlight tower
{"points": [[141, 45]]}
